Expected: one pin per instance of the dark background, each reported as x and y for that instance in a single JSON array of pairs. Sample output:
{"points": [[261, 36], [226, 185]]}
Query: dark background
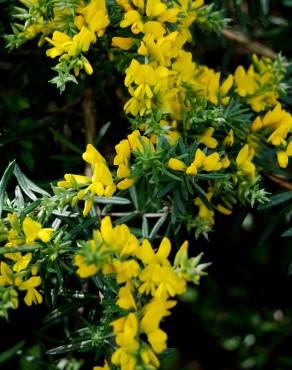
{"points": [[240, 315]]}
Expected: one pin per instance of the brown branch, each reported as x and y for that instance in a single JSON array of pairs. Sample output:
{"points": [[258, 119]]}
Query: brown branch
{"points": [[278, 180], [247, 43], [89, 112], [88, 106]]}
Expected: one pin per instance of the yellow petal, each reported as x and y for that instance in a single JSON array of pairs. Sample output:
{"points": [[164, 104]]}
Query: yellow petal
{"points": [[31, 229], [282, 158], [45, 234], [176, 165]]}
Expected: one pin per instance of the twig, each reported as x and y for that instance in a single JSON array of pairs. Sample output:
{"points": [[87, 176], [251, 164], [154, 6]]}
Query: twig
{"points": [[165, 211], [278, 180], [253, 46], [88, 107], [19, 249]]}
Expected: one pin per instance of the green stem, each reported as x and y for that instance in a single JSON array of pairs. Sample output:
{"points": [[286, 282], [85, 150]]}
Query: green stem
{"points": [[19, 249]]}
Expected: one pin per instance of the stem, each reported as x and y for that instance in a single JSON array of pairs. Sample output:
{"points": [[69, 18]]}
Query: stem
{"points": [[19, 249], [148, 215], [247, 43]]}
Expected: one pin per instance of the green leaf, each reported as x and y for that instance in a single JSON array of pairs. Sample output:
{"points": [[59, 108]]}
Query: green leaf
{"points": [[202, 195], [276, 200], [28, 187], [19, 198], [64, 310], [171, 175], [145, 228], [211, 176], [101, 133], [134, 197], [124, 219], [65, 142], [158, 225], [4, 182], [287, 3], [287, 233], [82, 346], [7, 355], [166, 189], [112, 200], [265, 6], [82, 226]]}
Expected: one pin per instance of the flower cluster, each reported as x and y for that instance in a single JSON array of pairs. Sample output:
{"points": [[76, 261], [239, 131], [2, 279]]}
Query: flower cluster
{"points": [[173, 97], [260, 85], [90, 22], [17, 273], [100, 183], [147, 281]]}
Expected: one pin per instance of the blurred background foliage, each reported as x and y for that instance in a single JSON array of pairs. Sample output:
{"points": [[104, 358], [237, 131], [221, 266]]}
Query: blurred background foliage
{"points": [[240, 316]]}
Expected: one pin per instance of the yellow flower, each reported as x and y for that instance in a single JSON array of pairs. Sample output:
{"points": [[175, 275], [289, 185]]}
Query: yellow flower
{"points": [[149, 357], [161, 281], [126, 270], [155, 8], [73, 181], [176, 165], [92, 155], [123, 152], [153, 313], [207, 138], [212, 163], [126, 299], [6, 277], [124, 43], [244, 161], [86, 65], [225, 162], [147, 255], [208, 163], [33, 230], [289, 149], [96, 16], [225, 88], [257, 124], [61, 42], [246, 84], [282, 158], [229, 138], [132, 18], [81, 41], [125, 184], [225, 211], [204, 212], [182, 254], [32, 295], [84, 270], [126, 330], [22, 262], [104, 367]]}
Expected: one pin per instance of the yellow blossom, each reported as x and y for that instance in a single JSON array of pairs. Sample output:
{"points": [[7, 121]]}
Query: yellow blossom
{"points": [[84, 270], [61, 42], [104, 367], [244, 161], [32, 295], [124, 43], [282, 158], [229, 138], [33, 230], [208, 139], [126, 299], [176, 165]]}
